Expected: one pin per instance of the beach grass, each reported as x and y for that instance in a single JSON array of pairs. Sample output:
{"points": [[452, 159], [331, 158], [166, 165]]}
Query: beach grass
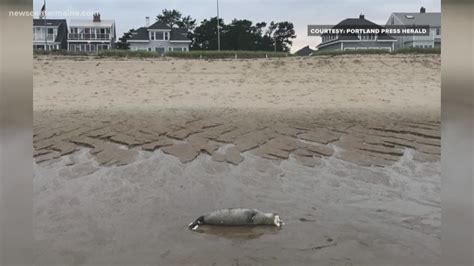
{"points": [[380, 51], [229, 54], [128, 53], [226, 54], [59, 52]]}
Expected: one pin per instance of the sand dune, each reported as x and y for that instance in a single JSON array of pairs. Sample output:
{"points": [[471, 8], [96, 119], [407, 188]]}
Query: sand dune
{"points": [[396, 85]]}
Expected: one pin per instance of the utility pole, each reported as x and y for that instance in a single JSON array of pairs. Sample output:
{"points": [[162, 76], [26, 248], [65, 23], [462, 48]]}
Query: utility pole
{"points": [[45, 27], [218, 29]]}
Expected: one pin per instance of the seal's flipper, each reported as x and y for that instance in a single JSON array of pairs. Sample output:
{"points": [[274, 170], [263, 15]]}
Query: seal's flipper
{"points": [[194, 225]]}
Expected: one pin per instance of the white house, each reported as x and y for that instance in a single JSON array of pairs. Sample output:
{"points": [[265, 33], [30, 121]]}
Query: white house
{"points": [[91, 35], [433, 20], [356, 41], [160, 38], [49, 34]]}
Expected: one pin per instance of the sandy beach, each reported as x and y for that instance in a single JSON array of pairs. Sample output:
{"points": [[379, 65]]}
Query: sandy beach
{"points": [[346, 148]]}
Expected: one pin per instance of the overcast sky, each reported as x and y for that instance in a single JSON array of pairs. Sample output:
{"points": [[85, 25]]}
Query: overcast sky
{"points": [[131, 14]]}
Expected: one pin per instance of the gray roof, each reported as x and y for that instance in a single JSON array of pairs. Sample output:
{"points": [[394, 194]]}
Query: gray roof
{"points": [[141, 34], [432, 19], [91, 23], [179, 35], [159, 26], [49, 22], [359, 23], [305, 51]]}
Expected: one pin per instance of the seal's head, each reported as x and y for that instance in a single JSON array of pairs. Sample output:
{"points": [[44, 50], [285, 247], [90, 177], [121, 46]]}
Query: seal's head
{"points": [[194, 225], [277, 221]]}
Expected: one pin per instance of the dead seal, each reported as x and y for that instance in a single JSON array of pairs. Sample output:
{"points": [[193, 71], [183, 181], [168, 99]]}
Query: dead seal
{"points": [[237, 217]]}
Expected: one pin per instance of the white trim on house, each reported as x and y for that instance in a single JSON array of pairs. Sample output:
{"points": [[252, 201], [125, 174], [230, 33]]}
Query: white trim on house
{"points": [[90, 23], [158, 40], [51, 46], [89, 41], [91, 36], [39, 33], [153, 33], [88, 47]]}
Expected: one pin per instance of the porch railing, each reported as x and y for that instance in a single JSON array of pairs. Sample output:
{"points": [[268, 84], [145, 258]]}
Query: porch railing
{"points": [[89, 36], [41, 37]]}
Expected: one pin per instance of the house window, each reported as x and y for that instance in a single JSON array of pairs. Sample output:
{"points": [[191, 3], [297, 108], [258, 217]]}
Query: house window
{"points": [[367, 37], [38, 34], [149, 49], [167, 36], [438, 31], [159, 35]]}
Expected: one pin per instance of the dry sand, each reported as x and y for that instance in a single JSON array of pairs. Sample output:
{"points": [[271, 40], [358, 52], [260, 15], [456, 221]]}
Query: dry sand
{"points": [[345, 148]]}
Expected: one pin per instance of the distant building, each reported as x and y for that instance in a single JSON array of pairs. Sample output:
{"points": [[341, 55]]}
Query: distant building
{"points": [[92, 35], [51, 33], [305, 51], [433, 20], [335, 42], [160, 38]]}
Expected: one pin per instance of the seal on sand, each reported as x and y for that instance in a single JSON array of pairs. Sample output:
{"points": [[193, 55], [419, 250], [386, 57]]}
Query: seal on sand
{"points": [[237, 216]]}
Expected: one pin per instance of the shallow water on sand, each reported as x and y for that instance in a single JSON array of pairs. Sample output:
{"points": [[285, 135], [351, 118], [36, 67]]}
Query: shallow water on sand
{"points": [[138, 213]]}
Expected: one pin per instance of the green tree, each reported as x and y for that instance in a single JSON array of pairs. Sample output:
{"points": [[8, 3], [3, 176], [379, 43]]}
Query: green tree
{"points": [[283, 34], [174, 19], [122, 42], [242, 35], [187, 23], [205, 35], [169, 17]]}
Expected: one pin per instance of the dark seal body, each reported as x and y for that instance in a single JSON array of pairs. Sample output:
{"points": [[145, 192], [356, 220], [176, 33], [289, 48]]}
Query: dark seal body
{"points": [[237, 217]]}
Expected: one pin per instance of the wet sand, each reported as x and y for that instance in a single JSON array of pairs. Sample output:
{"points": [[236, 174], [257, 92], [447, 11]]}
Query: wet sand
{"points": [[138, 213], [346, 149]]}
